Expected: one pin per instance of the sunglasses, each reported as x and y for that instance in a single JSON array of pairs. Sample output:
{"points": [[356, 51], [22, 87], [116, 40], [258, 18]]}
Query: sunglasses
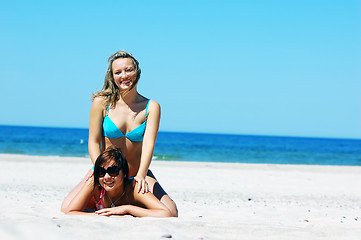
{"points": [[113, 171]]}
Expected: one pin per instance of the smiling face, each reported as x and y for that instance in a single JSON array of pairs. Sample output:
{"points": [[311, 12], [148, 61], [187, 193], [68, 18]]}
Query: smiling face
{"points": [[110, 157], [124, 73], [110, 183]]}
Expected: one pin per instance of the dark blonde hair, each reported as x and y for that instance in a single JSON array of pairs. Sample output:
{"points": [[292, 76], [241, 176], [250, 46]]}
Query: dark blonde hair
{"points": [[110, 90]]}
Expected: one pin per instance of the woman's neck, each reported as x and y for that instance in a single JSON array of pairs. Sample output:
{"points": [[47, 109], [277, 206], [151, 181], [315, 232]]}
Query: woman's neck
{"points": [[117, 193], [129, 97]]}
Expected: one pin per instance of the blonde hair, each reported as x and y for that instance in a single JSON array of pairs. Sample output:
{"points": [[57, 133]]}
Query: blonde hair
{"points": [[110, 90]]}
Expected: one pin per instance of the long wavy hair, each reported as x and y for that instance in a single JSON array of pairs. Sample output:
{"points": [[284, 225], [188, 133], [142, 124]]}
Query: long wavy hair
{"points": [[110, 90]]}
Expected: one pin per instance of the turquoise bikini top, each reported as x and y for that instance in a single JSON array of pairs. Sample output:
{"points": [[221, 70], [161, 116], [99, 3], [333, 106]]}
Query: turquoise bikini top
{"points": [[110, 130]]}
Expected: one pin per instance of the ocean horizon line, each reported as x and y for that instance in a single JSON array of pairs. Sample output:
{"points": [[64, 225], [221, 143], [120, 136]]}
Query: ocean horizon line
{"points": [[190, 132]]}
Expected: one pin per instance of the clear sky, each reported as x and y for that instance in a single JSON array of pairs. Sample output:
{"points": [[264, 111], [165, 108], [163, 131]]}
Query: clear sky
{"points": [[289, 68]]}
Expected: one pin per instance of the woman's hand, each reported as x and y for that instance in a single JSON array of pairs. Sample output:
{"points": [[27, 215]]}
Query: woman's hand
{"points": [[142, 184], [120, 210]]}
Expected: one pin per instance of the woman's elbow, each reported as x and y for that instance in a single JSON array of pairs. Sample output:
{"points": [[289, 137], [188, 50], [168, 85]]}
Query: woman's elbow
{"points": [[66, 211], [71, 212]]}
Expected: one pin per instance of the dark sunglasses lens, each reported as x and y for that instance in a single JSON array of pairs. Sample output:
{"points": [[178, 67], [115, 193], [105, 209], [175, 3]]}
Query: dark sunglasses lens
{"points": [[102, 172], [113, 171]]}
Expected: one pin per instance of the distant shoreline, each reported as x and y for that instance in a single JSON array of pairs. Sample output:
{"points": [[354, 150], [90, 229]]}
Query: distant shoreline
{"points": [[190, 163]]}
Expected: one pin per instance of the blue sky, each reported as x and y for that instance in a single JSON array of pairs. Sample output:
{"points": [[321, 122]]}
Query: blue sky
{"points": [[289, 68]]}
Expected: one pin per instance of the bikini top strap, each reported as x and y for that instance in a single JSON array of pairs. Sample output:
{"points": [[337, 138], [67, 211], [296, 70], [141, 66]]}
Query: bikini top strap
{"points": [[146, 109], [102, 193]]}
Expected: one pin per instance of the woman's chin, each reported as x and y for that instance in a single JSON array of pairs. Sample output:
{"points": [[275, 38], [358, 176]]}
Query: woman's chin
{"points": [[108, 186], [124, 86], [123, 89]]}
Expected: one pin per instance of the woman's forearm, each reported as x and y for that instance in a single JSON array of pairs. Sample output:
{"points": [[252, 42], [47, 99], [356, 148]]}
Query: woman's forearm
{"points": [[80, 213], [145, 161], [143, 212], [147, 155], [94, 151], [150, 137]]}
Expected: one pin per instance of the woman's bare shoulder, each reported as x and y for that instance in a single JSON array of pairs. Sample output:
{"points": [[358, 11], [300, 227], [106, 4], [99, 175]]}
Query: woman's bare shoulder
{"points": [[153, 105], [100, 99], [99, 102]]}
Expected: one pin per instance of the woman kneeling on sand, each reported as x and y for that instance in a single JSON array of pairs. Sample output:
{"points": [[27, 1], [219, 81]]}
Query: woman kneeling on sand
{"points": [[110, 192]]}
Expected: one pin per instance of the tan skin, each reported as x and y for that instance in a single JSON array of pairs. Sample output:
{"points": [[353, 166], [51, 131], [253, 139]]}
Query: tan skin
{"points": [[121, 193], [127, 114]]}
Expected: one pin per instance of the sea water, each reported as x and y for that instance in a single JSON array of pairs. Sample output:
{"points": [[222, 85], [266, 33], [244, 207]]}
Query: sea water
{"points": [[175, 146]]}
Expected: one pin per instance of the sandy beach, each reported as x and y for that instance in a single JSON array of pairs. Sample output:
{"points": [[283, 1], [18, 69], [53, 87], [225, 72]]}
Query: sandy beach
{"points": [[215, 201]]}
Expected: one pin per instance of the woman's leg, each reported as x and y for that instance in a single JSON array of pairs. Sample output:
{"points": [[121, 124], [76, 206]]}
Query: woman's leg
{"points": [[75, 190], [159, 192]]}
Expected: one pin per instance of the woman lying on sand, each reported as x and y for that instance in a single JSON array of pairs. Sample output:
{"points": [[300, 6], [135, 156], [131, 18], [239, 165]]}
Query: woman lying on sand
{"points": [[110, 192]]}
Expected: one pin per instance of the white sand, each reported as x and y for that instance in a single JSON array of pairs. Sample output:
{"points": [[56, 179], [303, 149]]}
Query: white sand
{"points": [[215, 201]]}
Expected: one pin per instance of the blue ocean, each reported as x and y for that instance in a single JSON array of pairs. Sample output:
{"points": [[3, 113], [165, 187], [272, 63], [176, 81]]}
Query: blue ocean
{"points": [[175, 146]]}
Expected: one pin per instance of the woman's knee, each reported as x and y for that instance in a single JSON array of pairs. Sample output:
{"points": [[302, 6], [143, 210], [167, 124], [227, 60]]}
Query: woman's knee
{"points": [[170, 204], [161, 194]]}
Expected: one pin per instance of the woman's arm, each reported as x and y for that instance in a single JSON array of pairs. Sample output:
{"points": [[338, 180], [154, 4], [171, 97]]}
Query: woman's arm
{"points": [[95, 128], [81, 199], [149, 139], [134, 211], [152, 207]]}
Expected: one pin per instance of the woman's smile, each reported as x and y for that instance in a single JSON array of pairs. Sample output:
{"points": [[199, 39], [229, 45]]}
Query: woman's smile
{"points": [[124, 73], [109, 184]]}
